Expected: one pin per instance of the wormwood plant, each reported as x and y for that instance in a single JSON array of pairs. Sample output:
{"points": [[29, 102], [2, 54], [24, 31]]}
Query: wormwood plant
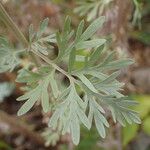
{"points": [[91, 76]]}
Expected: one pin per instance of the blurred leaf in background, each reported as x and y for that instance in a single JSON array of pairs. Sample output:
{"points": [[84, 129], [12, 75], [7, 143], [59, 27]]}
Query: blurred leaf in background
{"points": [[6, 90], [130, 132], [141, 20], [88, 140], [5, 146]]}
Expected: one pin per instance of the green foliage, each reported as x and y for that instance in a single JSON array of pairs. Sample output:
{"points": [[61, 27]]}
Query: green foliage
{"points": [[141, 36], [51, 137], [38, 41], [4, 145], [91, 8], [6, 90], [88, 140], [144, 111], [137, 13], [98, 87], [9, 59], [146, 126], [129, 133], [144, 105]]}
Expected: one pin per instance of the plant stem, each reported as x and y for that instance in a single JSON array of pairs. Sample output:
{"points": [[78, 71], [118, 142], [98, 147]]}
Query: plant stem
{"points": [[9, 22], [54, 65], [19, 35]]}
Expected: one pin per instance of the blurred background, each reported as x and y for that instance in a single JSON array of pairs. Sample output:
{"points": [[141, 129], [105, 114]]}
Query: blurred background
{"points": [[128, 23]]}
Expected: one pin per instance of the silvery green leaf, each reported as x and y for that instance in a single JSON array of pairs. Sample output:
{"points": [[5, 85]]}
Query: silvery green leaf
{"points": [[44, 24], [93, 13], [31, 33], [40, 92], [90, 44], [54, 119], [45, 101], [40, 48], [26, 76], [45, 95], [87, 82], [91, 84], [67, 25], [100, 127], [26, 106], [92, 29], [79, 30], [53, 84], [121, 110], [96, 55], [75, 130], [117, 64], [6, 90], [9, 58], [83, 118], [72, 58], [111, 78]]}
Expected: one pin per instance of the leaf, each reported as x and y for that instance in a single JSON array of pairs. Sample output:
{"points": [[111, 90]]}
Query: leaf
{"points": [[100, 127], [40, 42], [6, 90], [91, 30], [117, 64], [92, 80], [26, 76], [40, 92], [26, 106], [129, 133], [144, 105], [87, 82], [54, 119], [111, 78], [53, 84], [92, 13], [75, 130], [31, 33], [67, 25], [72, 58], [120, 111], [90, 44], [44, 25], [83, 118], [79, 30], [95, 55], [95, 112], [146, 126], [45, 101], [9, 59]]}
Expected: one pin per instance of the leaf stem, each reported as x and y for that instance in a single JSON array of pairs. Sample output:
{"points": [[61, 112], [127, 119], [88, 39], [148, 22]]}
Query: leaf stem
{"points": [[19, 35], [9, 22], [54, 65]]}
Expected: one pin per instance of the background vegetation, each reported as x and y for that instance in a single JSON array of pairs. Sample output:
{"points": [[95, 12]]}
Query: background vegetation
{"points": [[129, 26]]}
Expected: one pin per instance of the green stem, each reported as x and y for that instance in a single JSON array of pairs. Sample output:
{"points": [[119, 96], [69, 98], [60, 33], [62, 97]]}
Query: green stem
{"points": [[54, 65], [9, 22], [19, 35]]}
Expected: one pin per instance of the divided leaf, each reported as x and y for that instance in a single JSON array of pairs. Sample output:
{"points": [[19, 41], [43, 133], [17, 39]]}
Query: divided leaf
{"points": [[40, 92], [94, 78], [9, 58], [70, 113]]}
